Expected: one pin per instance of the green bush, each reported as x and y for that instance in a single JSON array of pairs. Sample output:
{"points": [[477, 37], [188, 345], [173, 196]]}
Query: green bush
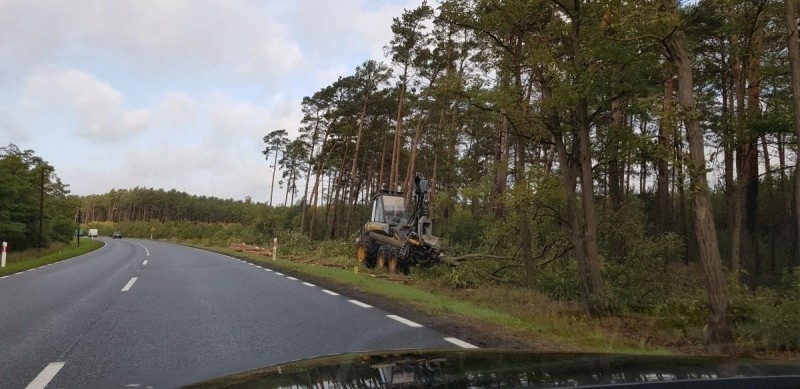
{"points": [[769, 318], [464, 276], [560, 281], [688, 314], [294, 243], [335, 249]]}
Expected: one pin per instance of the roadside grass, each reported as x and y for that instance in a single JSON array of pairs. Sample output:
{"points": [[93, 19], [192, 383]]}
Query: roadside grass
{"points": [[523, 312], [18, 261]]}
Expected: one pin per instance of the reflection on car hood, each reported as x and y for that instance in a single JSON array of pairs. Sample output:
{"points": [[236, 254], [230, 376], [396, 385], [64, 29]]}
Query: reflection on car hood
{"points": [[493, 368]]}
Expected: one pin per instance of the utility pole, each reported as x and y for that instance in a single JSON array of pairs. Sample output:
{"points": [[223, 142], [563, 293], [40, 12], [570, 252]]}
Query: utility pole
{"points": [[41, 205], [78, 234], [274, 168]]}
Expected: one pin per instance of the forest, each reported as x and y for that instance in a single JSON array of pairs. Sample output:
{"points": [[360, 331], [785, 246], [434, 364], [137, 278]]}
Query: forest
{"points": [[609, 139], [632, 156], [35, 206]]}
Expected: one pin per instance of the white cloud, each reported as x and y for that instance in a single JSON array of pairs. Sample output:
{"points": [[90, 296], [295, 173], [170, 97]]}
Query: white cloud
{"points": [[10, 129], [99, 106], [213, 147], [179, 92], [231, 37], [347, 24], [175, 109]]}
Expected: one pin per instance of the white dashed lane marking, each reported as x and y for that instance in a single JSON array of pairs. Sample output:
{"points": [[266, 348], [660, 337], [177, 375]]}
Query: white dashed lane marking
{"points": [[279, 273], [129, 284], [45, 376], [292, 278], [404, 321], [360, 304], [308, 284], [330, 293], [460, 343], [145, 262]]}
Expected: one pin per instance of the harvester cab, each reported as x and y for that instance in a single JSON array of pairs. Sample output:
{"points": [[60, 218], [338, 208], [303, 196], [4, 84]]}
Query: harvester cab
{"points": [[388, 211], [395, 239]]}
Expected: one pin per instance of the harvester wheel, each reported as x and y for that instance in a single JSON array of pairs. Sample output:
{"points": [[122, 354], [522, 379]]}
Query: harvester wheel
{"points": [[366, 252], [394, 258], [383, 257]]}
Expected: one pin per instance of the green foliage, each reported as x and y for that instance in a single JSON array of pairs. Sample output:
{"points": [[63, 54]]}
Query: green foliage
{"points": [[560, 281], [686, 314], [33, 258], [463, 229], [335, 248], [636, 262], [458, 277], [25, 178], [294, 242], [769, 318]]}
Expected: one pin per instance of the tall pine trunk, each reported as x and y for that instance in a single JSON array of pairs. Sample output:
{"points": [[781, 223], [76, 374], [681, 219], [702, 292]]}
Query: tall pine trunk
{"points": [[665, 130], [719, 335], [793, 43], [398, 129], [354, 194], [593, 274]]}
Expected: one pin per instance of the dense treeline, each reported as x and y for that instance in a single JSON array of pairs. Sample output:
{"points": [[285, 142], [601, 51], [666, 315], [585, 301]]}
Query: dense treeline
{"points": [[603, 139], [179, 215], [145, 204], [35, 208]]}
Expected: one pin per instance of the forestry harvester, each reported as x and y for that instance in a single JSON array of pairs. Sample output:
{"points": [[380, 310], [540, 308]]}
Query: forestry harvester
{"points": [[393, 239]]}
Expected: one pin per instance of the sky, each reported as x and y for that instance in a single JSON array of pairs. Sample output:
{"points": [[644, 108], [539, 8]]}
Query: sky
{"points": [[173, 93]]}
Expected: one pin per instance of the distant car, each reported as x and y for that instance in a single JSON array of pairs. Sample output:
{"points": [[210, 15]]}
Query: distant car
{"points": [[117, 235]]}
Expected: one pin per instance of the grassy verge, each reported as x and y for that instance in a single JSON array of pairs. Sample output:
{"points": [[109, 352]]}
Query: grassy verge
{"points": [[33, 258], [474, 306]]}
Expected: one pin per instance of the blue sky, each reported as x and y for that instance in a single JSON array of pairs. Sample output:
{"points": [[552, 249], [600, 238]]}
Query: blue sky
{"points": [[173, 94]]}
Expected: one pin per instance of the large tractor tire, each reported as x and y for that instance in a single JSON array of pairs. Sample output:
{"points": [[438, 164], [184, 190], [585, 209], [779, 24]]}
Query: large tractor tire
{"points": [[394, 259], [366, 251], [383, 256]]}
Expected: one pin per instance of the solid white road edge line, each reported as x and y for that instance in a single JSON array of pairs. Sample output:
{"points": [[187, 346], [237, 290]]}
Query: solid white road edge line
{"points": [[404, 321], [145, 249], [45, 376], [129, 284], [330, 293], [145, 262], [360, 304], [308, 284], [291, 278], [460, 343]]}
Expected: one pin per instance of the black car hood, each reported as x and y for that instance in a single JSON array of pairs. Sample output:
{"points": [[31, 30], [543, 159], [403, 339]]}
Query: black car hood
{"points": [[502, 368]]}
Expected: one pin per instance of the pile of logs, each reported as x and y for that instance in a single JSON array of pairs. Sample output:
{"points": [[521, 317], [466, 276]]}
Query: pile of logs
{"points": [[244, 248]]}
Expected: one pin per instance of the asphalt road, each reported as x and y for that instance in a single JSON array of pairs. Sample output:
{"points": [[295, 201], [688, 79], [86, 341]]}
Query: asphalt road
{"points": [[163, 315]]}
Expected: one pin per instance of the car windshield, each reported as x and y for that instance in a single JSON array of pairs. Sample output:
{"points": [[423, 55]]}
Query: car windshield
{"points": [[310, 178]]}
